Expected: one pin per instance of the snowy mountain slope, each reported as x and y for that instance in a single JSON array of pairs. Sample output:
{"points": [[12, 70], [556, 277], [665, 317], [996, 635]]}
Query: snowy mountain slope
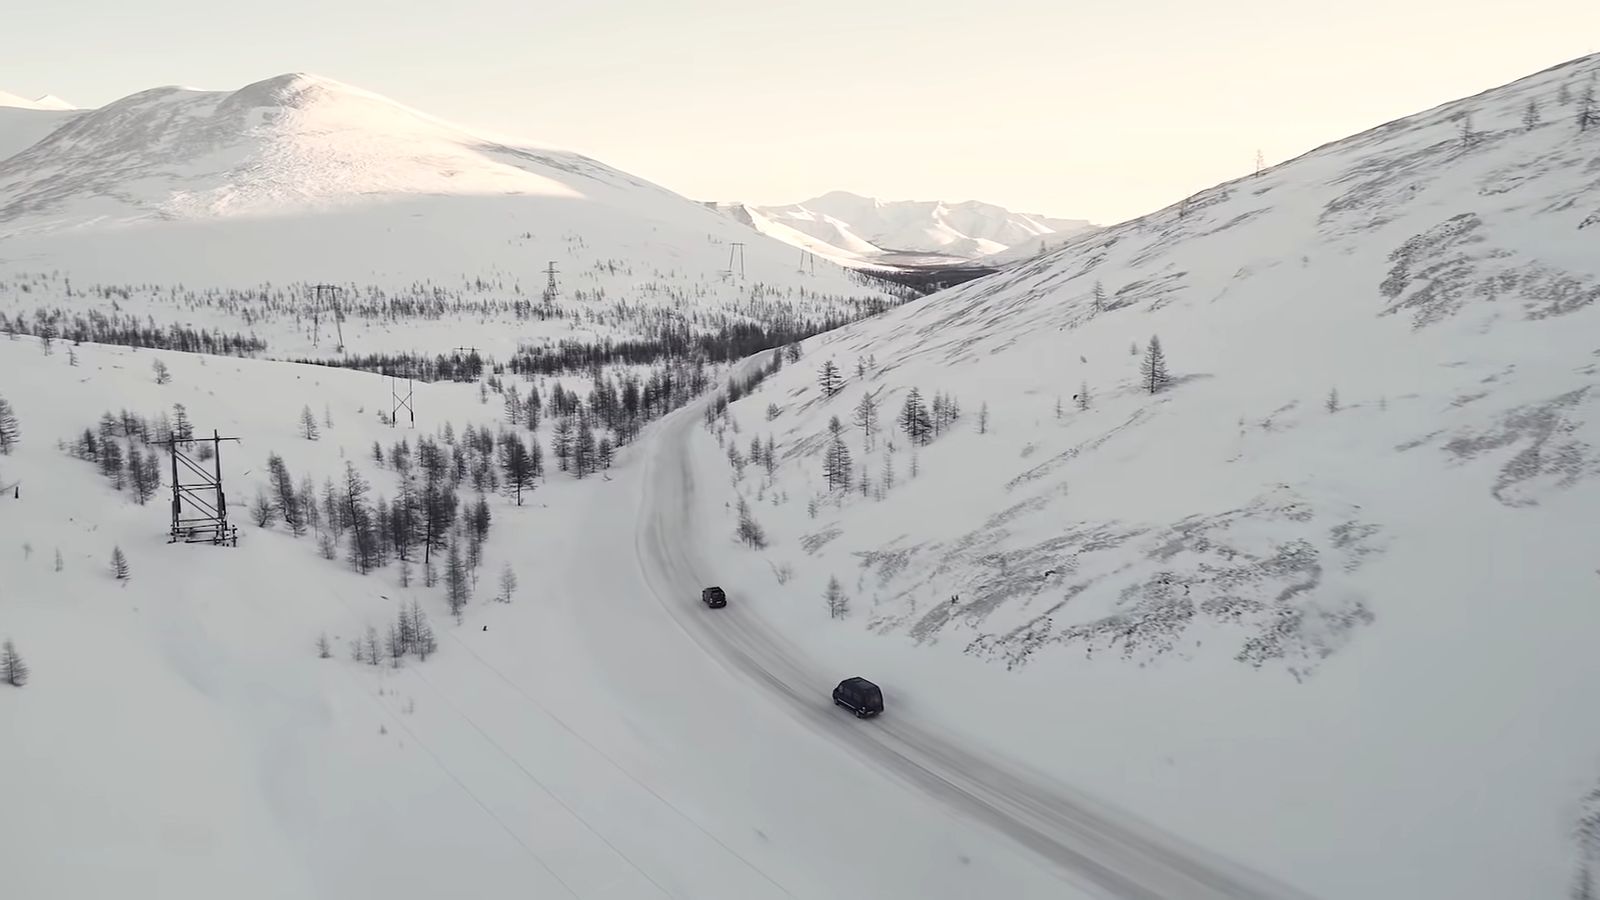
{"points": [[1327, 596], [828, 239], [301, 179], [22, 127], [180, 738], [848, 227]]}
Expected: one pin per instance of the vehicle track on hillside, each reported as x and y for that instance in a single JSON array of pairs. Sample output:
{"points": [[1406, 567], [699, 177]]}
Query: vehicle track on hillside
{"points": [[1100, 847]]}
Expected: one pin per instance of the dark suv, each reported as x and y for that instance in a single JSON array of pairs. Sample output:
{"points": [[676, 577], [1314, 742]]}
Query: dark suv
{"points": [[860, 696], [714, 597]]}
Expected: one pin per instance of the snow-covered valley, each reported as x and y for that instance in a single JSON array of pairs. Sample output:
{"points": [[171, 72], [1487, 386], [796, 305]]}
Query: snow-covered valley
{"points": [[1306, 609]]}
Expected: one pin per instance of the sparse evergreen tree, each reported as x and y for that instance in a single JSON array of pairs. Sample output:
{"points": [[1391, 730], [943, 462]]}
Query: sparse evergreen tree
{"points": [[377, 453], [139, 472], [72, 357], [394, 647], [309, 512], [59, 563], [308, 424], [838, 604], [324, 649], [374, 650], [119, 565], [983, 416], [1099, 296], [13, 670], [1133, 349], [182, 428], [455, 578], [10, 430], [518, 467], [772, 411], [508, 583], [1082, 397], [285, 501], [162, 375], [769, 457], [914, 419], [1058, 407], [513, 405], [604, 452], [836, 462], [1563, 95], [583, 449], [561, 442], [1588, 116], [750, 531], [866, 419], [423, 641], [327, 416], [358, 516], [111, 462], [1153, 370], [1530, 115], [1332, 403], [830, 379]]}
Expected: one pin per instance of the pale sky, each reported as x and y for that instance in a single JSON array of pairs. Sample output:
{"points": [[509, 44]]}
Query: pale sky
{"points": [[1076, 108]]}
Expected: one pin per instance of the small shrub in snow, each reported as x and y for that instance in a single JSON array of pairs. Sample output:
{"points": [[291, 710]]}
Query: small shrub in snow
{"points": [[750, 531], [838, 603], [10, 430], [13, 670], [261, 511], [455, 576], [508, 584], [160, 369]]}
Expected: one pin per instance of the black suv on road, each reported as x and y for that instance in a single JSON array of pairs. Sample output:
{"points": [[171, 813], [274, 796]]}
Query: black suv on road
{"points": [[714, 597], [860, 696]]}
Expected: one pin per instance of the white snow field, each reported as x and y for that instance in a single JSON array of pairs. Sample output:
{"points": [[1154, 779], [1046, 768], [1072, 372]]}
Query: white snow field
{"points": [[179, 736], [1348, 641], [220, 209], [1237, 638]]}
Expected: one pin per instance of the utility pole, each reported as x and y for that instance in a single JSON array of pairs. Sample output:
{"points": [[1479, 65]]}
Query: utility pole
{"points": [[736, 248]]}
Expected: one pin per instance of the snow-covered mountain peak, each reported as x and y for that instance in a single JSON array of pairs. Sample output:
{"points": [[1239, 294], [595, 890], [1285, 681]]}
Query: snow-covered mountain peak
{"points": [[47, 102], [841, 224]]}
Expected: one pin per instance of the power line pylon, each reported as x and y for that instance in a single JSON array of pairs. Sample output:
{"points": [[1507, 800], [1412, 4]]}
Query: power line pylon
{"points": [[199, 506], [400, 402], [331, 290]]}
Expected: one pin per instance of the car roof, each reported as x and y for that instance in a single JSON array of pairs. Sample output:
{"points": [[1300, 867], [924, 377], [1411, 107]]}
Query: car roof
{"points": [[858, 681]]}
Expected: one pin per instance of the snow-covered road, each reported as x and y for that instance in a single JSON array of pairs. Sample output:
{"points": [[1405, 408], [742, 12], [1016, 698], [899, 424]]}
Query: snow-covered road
{"points": [[1096, 847]]}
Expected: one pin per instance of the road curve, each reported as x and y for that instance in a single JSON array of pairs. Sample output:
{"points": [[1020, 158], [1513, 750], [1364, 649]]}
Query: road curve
{"points": [[1103, 849]]}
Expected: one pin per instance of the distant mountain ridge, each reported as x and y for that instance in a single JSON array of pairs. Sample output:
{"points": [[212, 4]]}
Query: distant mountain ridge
{"points": [[860, 230]]}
